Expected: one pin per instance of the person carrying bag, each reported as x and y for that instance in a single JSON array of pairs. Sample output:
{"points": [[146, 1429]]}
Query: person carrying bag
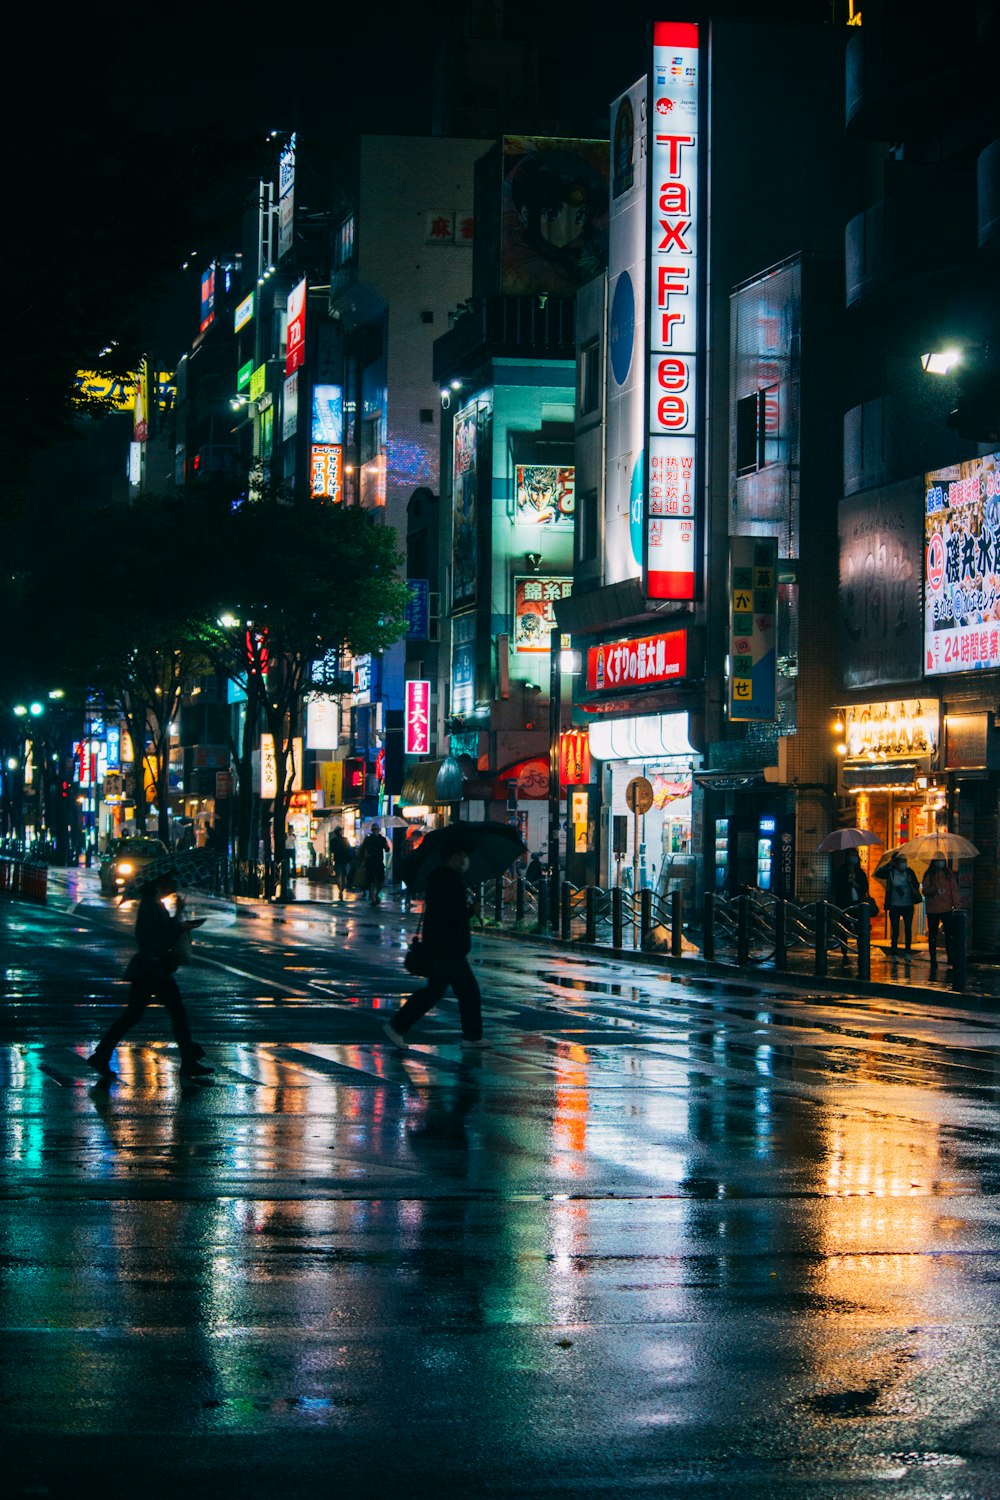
{"points": [[902, 892]]}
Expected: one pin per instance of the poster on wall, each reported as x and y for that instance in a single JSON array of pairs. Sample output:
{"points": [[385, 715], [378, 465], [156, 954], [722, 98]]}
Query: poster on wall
{"points": [[534, 611], [465, 549], [463, 664], [554, 214], [881, 566], [326, 471], [327, 414], [671, 487], [962, 567], [544, 495], [625, 416]]}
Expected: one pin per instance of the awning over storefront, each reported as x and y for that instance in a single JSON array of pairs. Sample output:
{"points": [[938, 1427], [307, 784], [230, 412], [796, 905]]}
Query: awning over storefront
{"points": [[886, 776], [650, 737], [433, 781]]}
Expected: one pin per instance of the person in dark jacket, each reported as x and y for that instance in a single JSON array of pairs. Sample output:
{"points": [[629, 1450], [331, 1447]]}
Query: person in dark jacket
{"points": [[850, 893], [445, 935], [902, 893], [371, 863], [150, 971], [342, 856]]}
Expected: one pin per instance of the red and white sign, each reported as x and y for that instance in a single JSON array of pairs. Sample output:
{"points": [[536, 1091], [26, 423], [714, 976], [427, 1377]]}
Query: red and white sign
{"points": [[417, 717], [295, 338], [644, 663], [574, 758], [673, 327]]}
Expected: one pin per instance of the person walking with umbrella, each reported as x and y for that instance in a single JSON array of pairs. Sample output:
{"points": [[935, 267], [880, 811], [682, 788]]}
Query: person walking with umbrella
{"points": [[941, 899], [151, 972], [446, 940]]}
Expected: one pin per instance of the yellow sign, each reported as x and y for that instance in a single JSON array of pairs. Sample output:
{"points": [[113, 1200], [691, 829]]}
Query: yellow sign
{"points": [[258, 381], [120, 391], [331, 780]]}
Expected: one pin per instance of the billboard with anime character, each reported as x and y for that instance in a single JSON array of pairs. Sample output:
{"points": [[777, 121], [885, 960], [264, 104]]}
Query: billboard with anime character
{"points": [[554, 219]]}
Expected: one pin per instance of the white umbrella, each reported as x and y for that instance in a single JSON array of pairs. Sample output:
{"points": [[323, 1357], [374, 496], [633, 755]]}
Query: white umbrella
{"points": [[389, 822], [929, 845], [846, 838]]}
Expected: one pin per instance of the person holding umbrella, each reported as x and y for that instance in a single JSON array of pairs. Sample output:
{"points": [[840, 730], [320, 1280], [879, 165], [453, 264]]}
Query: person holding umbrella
{"points": [[941, 899], [446, 939]]}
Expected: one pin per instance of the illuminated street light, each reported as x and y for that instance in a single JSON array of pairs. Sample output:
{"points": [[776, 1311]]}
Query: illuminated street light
{"points": [[941, 361]]}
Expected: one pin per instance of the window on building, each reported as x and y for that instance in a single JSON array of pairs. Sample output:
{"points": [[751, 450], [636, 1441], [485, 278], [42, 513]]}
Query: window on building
{"points": [[427, 414], [758, 420], [589, 371], [586, 526], [427, 316]]}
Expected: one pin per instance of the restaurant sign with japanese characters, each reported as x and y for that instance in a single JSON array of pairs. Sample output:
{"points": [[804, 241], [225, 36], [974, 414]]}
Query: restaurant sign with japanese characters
{"points": [[417, 717], [753, 604]]}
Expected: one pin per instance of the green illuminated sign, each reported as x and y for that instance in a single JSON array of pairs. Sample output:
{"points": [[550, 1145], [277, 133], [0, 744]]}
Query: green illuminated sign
{"points": [[243, 377]]}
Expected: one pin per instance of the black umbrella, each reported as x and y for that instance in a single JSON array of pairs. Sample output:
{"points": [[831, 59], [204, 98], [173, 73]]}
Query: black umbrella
{"points": [[492, 848], [192, 869]]}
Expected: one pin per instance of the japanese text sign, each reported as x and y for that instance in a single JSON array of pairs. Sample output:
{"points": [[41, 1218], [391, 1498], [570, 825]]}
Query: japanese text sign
{"points": [[643, 663], [753, 604], [417, 717], [534, 612], [672, 308], [962, 567]]}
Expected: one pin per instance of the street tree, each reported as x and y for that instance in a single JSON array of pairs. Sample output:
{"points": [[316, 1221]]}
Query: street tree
{"points": [[301, 586]]}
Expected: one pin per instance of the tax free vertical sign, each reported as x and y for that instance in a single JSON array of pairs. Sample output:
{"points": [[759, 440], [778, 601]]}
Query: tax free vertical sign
{"points": [[672, 115]]}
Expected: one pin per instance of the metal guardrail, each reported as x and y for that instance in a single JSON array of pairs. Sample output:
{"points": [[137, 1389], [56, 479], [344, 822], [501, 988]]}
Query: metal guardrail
{"points": [[24, 878], [748, 930]]}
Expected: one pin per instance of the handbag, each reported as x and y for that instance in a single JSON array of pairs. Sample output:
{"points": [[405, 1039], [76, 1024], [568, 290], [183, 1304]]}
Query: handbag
{"points": [[418, 958], [181, 949]]}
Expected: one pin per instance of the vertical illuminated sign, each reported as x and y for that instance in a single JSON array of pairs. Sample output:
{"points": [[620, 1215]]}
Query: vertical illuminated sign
{"points": [[671, 397], [753, 608], [207, 299], [295, 344], [417, 718]]}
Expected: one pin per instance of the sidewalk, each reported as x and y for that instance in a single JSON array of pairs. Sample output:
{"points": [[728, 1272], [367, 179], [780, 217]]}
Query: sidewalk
{"points": [[891, 977]]}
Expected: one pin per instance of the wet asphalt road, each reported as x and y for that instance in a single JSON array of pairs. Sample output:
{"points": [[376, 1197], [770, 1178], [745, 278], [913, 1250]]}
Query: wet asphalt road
{"points": [[659, 1237]]}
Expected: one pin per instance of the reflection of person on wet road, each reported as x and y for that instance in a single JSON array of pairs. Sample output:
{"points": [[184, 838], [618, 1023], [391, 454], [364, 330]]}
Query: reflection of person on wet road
{"points": [[150, 971], [445, 935]]}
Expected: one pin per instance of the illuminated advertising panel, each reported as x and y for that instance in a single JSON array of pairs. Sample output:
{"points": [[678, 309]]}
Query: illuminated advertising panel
{"points": [[465, 547], [673, 331], [326, 471], [647, 662], [417, 718], [207, 315], [534, 610], [962, 567], [243, 313], [327, 414], [290, 408], [243, 375], [753, 615], [286, 198], [295, 336], [544, 494], [554, 214], [258, 382], [625, 394]]}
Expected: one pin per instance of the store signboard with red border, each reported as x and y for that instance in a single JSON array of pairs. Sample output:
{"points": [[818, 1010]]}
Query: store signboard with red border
{"points": [[417, 717], [647, 662]]}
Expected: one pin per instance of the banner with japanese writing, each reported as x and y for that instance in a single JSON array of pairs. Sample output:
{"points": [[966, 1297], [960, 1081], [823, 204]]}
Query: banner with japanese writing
{"points": [[962, 567], [417, 717], [642, 663], [753, 614], [534, 610]]}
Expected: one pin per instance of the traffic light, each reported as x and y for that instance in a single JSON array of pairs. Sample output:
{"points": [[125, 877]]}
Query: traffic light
{"points": [[354, 779], [977, 415]]}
